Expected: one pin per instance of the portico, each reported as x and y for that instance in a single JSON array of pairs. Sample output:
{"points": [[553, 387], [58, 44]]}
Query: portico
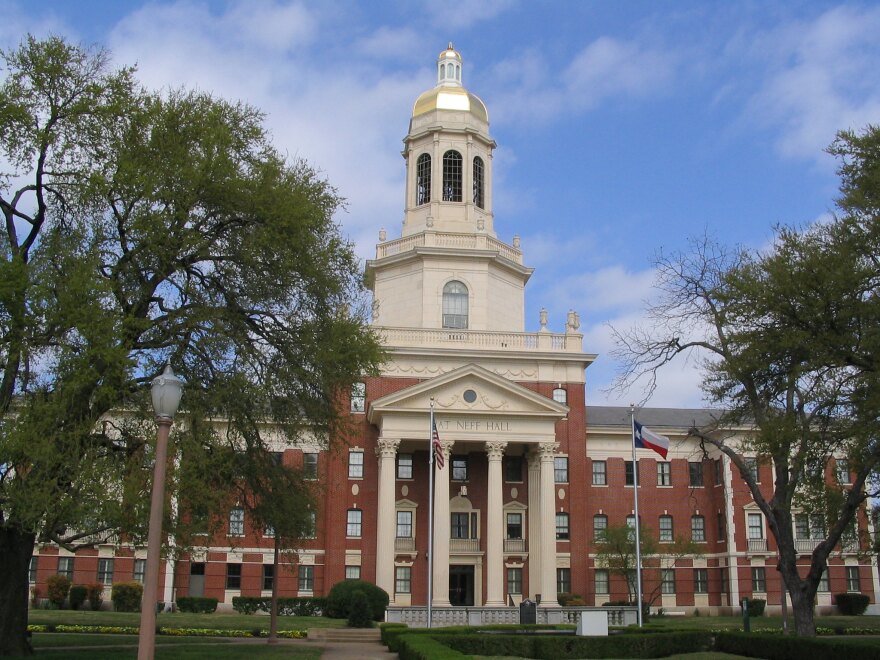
{"points": [[482, 418]]}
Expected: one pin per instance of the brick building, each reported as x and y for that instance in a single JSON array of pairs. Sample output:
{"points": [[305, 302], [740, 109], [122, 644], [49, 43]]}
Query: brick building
{"points": [[532, 474]]}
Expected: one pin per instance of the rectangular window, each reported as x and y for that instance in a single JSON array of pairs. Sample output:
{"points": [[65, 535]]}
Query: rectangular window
{"points": [[701, 580], [358, 397], [723, 572], [719, 472], [32, 570], [600, 473], [140, 570], [65, 567], [310, 465], [233, 576], [404, 524], [601, 581], [809, 527], [306, 578], [600, 524], [695, 472], [352, 572], [759, 579], [105, 571], [722, 527], [628, 475], [513, 468], [514, 580], [403, 579], [404, 466], [562, 533], [236, 521], [751, 464], [268, 576], [755, 526], [459, 468], [560, 469], [514, 526], [269, 532], [355, 465], [311, 530], [563, 580], [823, 582], [853, 579], [460, 525], [698, 529], [666, 529], [353, 523], [664, 473], [667, 581], [842, 469]]}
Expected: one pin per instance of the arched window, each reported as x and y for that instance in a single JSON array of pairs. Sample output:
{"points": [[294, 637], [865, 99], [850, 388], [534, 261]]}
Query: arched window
{"points": [[478, 182], [457, 72], [423, 179], [452, 176], [450, 71], [455, 305]]}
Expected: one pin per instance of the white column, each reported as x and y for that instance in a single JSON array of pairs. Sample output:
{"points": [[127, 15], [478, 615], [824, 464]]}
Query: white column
{"points": [[495, 527], [548, 525], [386, 450], [441, 530], [534, 521]]}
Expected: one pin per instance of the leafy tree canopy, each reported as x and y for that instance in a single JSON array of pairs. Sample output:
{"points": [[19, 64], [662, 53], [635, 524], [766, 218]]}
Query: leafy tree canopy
{"points": [[142, 227], [788, 339]]}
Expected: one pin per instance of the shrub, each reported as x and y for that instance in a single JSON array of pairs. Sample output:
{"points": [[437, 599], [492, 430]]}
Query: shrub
{"points": [[301, 606], [852, 604], [340, 597], [251, 604], [58, 586], [197, 604], [126, 596], [95, 595], [565, 599], [360, 613], [756, 606], [787, 647], [77, 596]]}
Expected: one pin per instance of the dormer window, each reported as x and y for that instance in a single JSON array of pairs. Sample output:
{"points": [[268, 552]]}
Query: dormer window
{"points": [[478, 182], [455, 305], [452, 168], [423, 179]]}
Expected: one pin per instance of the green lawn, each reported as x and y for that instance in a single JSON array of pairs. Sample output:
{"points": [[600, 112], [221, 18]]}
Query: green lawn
{"points": [[64, 640], [203, 651], [224, 621]]}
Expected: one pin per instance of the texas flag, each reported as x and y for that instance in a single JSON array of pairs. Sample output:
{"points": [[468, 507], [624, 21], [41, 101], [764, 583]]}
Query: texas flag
{"points": [[644, 438]]}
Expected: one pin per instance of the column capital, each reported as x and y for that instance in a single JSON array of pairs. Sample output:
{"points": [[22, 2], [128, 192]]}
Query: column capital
{"points": [[495, 449], [547, 450], [387, 447], [446, 446]]}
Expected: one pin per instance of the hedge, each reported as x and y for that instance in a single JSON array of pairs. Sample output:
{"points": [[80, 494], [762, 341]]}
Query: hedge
{"points": [[126, 596], [197, 604], [426, 647], [756, 606], [300, 606], [340, 598], [852, 604], [788, 647], [77, 596], [391, 632]]}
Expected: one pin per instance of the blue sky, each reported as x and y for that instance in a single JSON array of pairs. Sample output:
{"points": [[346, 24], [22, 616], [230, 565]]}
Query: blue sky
{"points": [[623, 128]]}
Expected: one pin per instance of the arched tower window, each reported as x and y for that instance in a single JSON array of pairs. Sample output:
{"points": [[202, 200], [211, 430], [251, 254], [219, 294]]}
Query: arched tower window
{"points": [[452, 176], [423, 179], [455, 305], [478, 182]]}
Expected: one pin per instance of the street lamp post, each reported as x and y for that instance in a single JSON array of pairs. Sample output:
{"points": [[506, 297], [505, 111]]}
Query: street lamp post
{"points": [[166, 390]]}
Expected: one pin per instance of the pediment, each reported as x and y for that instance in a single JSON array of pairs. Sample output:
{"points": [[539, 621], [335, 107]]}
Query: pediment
{"points": [[487, 394]]}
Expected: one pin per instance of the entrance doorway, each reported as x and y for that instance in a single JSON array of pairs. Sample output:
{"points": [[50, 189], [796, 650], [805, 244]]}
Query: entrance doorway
{"points": [[461, 586]]}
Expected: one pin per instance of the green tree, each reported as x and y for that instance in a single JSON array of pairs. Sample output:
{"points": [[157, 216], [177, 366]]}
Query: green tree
{"points": [[616, 551], [788, 340], [139, 228]]}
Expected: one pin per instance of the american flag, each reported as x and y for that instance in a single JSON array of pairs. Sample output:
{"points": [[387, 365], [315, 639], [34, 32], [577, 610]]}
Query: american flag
{"points": [[436, 446]]}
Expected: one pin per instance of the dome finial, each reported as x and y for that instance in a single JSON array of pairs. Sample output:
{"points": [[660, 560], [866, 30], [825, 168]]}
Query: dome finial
{"points": [[450, 46]]}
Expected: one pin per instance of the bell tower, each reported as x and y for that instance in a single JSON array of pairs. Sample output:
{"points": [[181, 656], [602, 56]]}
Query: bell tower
{"points": [[448, 269]]}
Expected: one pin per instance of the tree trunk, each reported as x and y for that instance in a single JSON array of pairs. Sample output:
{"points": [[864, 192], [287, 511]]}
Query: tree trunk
{"points": [[16, 549], [802, 605]]}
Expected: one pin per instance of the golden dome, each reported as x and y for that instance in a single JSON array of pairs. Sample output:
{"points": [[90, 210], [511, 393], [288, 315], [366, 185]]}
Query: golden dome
{"points": [[450, 98]]}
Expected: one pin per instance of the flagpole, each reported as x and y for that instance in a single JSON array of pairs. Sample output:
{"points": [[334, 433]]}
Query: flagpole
{"points": [[632, 417], [430, 511]]}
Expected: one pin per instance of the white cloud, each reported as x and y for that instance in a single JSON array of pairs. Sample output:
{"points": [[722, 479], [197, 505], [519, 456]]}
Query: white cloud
{"points": [[394, 43], [820, 77], [466, 14], [529, 89]]}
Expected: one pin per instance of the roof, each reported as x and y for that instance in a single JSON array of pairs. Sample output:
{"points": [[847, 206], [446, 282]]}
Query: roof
{"points": [[652, 417]]}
